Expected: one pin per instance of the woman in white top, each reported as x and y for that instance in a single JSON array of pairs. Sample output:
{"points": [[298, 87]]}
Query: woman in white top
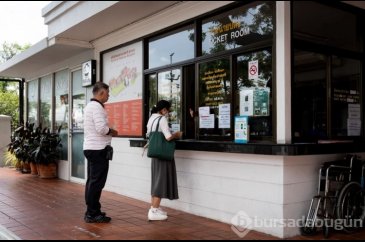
{"points": [[164, 180]]}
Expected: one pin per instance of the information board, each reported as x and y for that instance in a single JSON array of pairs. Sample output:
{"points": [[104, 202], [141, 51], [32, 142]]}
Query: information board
{"points": [[122, 71], [241, 130]]}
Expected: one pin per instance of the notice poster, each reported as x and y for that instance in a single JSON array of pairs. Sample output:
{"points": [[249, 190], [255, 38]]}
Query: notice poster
{"points": [[204, 111], [354, 120], [122, 71], [224, 116], [255, 102], [206, 122], [241, 132], [125, 117], [354, 111], [261, 101], [246, 102], [353, 127]]}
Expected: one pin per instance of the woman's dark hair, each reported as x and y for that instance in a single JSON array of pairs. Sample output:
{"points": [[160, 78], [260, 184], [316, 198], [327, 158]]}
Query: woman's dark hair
{"points": [[161, 105]]}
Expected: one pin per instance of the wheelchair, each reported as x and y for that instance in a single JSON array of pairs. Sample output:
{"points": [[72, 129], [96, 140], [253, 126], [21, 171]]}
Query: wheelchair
{"points": [[340, 198]]}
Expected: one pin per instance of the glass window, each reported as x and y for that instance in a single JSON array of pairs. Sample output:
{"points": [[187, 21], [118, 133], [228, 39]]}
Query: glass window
{"points": [[314, 118], [309, 92], [172, 48], [346, 108], [338, 28], [46, 102], [153, 94], [168, 87], [241, 26], [78, 101], [33, 102], [253, 97], [62, 109], [78, 105], [215, 100]]}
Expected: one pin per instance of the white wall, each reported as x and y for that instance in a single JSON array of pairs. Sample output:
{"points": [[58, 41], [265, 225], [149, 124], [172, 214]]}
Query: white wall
{"points": [[5, 131], [220, 185], [213, 185]]}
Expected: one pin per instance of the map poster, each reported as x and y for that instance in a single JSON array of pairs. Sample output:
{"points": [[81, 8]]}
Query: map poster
{"points": [[122, 71]]}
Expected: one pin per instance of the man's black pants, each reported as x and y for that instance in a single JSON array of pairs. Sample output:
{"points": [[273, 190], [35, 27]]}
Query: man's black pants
{"points": [[97, 172]]}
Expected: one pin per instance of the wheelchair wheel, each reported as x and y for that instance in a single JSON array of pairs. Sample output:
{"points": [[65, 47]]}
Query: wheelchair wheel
{"points": [[326, 231], [350, 207], [306, 231]]}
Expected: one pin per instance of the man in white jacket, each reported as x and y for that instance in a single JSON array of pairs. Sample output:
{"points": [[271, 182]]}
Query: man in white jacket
{"points": [[97, 138]]}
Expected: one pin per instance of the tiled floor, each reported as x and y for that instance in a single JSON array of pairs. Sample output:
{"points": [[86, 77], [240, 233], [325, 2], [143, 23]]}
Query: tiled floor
{"points": [[52, 209]]}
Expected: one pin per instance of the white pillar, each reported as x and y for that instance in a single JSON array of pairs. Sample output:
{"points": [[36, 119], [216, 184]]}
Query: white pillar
{"points": [[5, 131], [283, 73]]}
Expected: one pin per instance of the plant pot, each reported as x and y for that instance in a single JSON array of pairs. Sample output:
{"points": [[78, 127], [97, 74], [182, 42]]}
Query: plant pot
{"points": [[47, 171], [26, 168], [33, 169]]}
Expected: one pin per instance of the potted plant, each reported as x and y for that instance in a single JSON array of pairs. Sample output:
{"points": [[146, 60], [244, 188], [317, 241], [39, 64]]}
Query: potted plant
{"points": [[16, 150], [47, 153], [24, 141]]}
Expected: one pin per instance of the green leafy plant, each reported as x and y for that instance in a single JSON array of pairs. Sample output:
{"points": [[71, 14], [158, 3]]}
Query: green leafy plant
{"points": [[10, 159], [49, 148], [24, 141]]}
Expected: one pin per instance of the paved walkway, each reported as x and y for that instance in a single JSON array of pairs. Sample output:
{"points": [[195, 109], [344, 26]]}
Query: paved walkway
{"points": [[51, 209]]}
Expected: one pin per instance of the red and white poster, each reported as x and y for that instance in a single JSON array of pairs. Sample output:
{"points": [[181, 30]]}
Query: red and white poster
{"points": [[122, 71]]}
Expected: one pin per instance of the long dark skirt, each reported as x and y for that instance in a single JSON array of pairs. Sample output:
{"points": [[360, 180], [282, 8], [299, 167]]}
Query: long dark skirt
{"points": [[164, 179]]}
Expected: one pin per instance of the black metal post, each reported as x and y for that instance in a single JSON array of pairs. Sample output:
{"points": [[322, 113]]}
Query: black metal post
{"points": [[21, 101]]}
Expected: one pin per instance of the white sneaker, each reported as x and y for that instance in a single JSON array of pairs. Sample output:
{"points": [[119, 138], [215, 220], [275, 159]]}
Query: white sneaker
{"points": [[153, 214], [161, 211]]}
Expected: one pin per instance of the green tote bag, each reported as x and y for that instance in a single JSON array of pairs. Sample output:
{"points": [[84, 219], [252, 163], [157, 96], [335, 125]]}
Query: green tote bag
{"points": [[158, 146]]}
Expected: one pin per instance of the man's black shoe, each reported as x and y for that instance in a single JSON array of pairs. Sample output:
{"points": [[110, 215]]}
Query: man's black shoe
{"points": [[101, 213], [97, 219]]}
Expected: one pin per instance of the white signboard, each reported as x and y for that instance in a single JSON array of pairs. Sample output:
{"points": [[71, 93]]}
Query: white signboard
{"points": [[204, 111], [122, 71], [253, 70], [206, 122], [354, 111], [224, 116], [353, 127], [246, 102]]}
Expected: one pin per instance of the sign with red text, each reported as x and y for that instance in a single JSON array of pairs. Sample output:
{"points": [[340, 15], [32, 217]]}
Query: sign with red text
{"points": [[122, 71]]}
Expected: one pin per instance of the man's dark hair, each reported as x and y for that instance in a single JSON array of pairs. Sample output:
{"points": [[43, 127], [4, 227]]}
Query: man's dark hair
{"points": [[99, 86]]}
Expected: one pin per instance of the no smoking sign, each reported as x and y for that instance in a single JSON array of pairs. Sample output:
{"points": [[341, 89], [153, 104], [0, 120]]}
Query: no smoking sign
{"points": [[253, 70]]}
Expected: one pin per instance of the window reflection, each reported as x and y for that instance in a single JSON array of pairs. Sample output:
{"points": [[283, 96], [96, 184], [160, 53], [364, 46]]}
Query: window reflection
{"points": [[46, 101], [346, 110], [181, 43], [33, 101], [253, 97], [238, 27], [339, 28], [309, 92], [214, 95], [169, 88], [62, 109]]}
